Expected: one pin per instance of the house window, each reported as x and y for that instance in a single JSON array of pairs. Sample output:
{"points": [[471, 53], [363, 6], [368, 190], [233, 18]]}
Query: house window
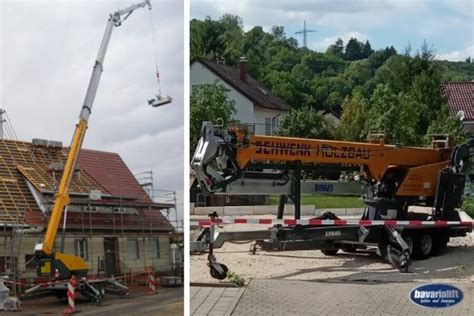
{"points": [[268, 126], [81, 248], [154, 248], [133, 249], [7, 264], [275, 125]]}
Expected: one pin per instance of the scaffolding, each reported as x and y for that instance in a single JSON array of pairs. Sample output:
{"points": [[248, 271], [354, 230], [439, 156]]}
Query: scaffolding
{"points": [[26, 168]]}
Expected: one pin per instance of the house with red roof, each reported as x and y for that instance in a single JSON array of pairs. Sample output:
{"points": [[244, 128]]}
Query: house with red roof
{"points": [[256, 106], [111, 222], [460, 97]]}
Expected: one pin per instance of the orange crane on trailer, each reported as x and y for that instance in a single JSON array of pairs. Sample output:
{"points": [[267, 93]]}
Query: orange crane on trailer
{"points": [[396, 177]]}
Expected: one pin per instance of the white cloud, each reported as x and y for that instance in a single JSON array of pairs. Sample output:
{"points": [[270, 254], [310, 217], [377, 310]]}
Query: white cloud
{"points": [[457, 55], [340, 15]]}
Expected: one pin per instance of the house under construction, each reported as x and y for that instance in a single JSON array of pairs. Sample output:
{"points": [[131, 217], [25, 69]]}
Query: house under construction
{"points": [[111, 222]]}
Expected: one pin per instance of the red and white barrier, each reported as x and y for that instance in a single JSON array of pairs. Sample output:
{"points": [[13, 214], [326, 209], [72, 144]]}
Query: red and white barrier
{"points": [[327, 222], [151, 282], [71, 296]]}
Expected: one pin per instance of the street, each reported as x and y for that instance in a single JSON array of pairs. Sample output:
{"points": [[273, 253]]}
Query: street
{"points": [[168, 301]]}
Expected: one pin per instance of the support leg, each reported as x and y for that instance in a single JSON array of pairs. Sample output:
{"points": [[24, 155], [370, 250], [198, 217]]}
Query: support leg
{"points": [[297, 193], [281, 206]]}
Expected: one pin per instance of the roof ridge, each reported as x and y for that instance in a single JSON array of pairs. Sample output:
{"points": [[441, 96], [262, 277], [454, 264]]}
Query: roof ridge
{"points": [[252, 89]]}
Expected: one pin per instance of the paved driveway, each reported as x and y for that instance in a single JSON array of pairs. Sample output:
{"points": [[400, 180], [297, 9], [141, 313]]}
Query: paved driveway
{"points": [[287, 297], [295, 297]]}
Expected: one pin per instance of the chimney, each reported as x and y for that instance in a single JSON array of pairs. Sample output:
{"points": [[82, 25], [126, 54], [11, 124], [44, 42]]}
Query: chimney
{"points": [[243, 69]]}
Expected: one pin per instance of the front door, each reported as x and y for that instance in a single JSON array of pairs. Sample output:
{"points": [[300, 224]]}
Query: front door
{"points": [[111, 256]]}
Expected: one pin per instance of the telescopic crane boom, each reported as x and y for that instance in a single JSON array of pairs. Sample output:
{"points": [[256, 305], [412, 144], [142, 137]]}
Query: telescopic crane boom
{"points": [[47, 261], [396, 176]]}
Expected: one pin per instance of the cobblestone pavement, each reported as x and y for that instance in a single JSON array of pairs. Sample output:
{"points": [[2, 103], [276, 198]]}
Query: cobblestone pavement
{"points": [[214, 301], [288, 297]]}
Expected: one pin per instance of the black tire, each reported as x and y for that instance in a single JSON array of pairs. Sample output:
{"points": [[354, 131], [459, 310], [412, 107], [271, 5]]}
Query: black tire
{"points": [[409, 240], [440, 241], [423, 245], [219, 276], [330, 252]]}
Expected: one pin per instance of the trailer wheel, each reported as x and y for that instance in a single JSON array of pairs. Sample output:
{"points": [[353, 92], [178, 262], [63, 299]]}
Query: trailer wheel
{"points": [[440, 242], [423, 246], [330, 252], [217, 275], [409, 240]]}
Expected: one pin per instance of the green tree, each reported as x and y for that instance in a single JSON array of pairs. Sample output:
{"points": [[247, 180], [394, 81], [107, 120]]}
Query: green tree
{"points": [[366, 50], [353, 118], [336, 49], [353, 50], [305, 122], [396, 114], [445, 123], [208, 102]]}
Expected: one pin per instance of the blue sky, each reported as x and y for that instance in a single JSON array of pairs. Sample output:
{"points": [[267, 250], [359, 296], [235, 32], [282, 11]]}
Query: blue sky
{"points": [[447, 25]]}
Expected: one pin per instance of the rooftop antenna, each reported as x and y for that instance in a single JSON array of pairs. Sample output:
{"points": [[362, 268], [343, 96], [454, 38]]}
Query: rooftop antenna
{"points": [[159, 99], [305, 32], [6, 127]]}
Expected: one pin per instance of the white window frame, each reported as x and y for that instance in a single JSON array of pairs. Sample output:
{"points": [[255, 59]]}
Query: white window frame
{"points": [[154, 248], [133, 248], [268, 126], [81, 248]]}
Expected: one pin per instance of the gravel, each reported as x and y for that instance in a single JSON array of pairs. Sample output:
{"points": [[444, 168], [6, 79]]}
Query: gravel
{"points": [[455, 264]]}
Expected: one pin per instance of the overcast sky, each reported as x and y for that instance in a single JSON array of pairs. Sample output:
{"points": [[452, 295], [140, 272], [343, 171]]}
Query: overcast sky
{"points": [[446, 24], [47, 51]]}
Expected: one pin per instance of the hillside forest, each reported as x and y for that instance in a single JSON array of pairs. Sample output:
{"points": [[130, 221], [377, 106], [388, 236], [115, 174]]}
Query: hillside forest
{"points": [[398, 92]]}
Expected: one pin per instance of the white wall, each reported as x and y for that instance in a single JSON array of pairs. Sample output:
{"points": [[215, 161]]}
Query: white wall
{"points": [[468, 127], [332, 118], [262, 113], [244, 107]]}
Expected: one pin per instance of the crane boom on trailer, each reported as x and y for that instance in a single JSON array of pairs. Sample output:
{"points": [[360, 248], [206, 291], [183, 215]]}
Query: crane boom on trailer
{"points": [[396, 178], [47, 260]]}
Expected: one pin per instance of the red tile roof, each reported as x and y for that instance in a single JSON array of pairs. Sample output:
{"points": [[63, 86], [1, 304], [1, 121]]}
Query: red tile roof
{"points": [[460, 97], [20, 161], [112, 173]]}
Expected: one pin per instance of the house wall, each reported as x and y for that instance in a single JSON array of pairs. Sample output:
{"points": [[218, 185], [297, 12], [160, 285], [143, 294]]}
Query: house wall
{"points": [[275, 117], [332, 118], [95, 250], [137, 265], [244, 107], [468, 127]]}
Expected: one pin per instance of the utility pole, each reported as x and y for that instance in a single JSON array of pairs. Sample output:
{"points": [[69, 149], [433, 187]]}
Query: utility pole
{"points": [[305, 32]]}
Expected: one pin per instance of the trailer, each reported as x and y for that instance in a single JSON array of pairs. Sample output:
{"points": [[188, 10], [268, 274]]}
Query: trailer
{"points": [[396, 180]]}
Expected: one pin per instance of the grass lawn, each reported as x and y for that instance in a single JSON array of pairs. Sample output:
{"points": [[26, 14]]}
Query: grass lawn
{"points": [[327, 201], [468, 206]]}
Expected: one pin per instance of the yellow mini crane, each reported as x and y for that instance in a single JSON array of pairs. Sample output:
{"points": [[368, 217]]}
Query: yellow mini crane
{"points": [[49, 261]]}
